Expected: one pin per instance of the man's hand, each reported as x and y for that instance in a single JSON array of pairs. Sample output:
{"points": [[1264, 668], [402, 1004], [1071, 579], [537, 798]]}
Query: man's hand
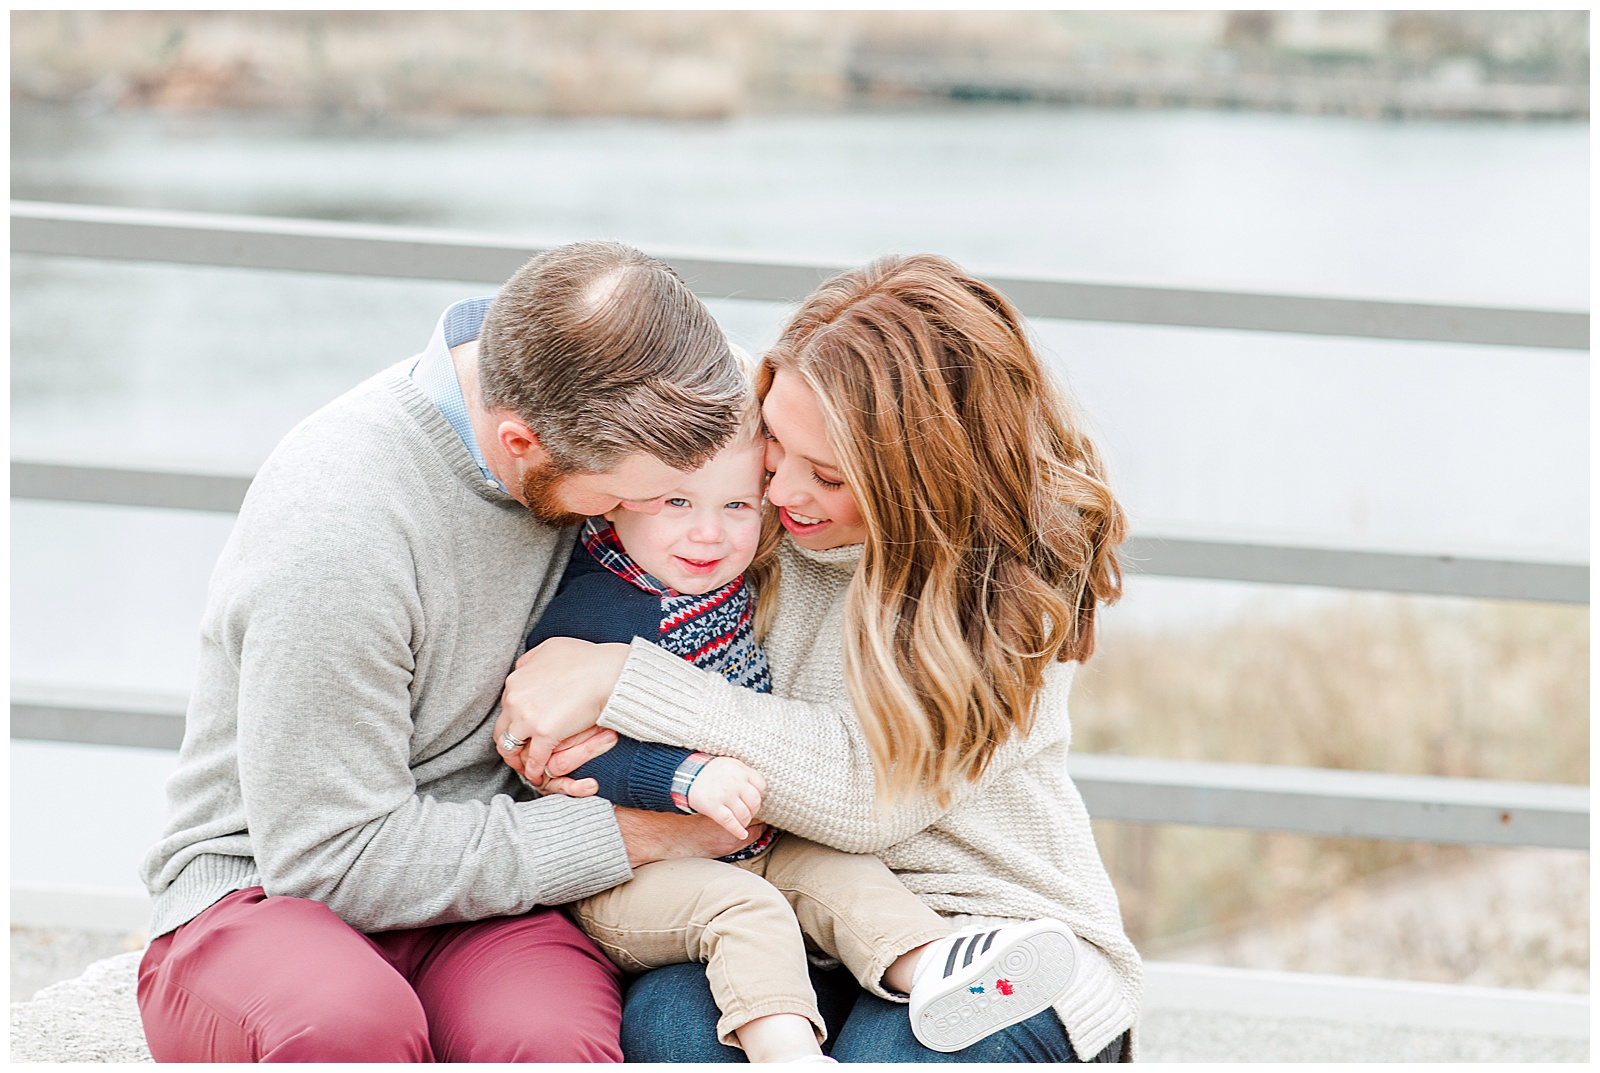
{"points": [[568, 757], [658, 836], [729, 792], [558, 688]]}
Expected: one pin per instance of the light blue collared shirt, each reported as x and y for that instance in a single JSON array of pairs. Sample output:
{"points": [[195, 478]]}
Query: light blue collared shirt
{"points": [[435, 372]]}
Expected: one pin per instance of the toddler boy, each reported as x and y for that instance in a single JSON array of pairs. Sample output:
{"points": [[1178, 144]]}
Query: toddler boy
{"points": [[677, 578]]}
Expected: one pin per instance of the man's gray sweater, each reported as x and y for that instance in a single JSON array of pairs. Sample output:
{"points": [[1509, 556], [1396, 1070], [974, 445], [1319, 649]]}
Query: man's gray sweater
{"points": [[359, 627]]}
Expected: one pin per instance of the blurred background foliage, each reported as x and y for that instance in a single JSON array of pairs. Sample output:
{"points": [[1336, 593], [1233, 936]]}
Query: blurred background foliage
{"points": [[1471, 689], [689, 64]]}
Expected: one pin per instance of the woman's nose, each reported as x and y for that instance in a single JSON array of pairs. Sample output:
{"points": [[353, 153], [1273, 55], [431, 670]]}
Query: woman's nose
{"points": [[780, 486]]}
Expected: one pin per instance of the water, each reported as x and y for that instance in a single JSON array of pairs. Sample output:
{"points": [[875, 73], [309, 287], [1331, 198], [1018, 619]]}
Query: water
{"points": [[1469, 212], [1406, 446]]}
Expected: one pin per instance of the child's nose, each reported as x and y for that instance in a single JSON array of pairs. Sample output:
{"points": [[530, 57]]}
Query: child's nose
{"points": [[706, 530]]}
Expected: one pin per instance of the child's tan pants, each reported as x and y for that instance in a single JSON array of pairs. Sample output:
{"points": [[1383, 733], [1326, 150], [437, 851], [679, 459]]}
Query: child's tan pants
{"points": [[749, 922]]}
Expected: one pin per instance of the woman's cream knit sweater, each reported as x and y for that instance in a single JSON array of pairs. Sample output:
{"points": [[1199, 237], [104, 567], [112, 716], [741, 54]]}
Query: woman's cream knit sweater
{"points": [[1014, 845]]}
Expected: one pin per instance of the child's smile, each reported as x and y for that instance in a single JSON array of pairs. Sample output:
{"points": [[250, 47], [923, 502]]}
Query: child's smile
{"points": [[708, 528]]}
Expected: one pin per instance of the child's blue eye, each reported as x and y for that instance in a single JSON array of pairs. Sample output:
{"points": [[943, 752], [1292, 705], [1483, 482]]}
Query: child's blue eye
{"points": [[736, 505], [677, 501]]}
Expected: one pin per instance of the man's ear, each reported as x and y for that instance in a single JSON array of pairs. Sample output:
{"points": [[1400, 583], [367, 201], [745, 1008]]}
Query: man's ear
{"points": [[521, 443]]}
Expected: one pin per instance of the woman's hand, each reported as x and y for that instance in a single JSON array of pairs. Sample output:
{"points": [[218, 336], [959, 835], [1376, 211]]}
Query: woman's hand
{"points": [[568, 757], [558, 689]]}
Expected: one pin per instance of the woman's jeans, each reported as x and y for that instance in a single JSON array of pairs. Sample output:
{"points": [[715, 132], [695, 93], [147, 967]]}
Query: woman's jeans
{"points": [[668, 1015]]}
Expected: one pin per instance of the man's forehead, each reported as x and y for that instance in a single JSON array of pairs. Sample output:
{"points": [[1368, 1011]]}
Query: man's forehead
{"points": [[637, 477]]}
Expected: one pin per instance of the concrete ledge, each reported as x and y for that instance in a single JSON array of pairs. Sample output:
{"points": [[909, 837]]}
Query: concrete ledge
{"points": [[1356, 1000], [1192, 1014], [1180, 1036], [91, 1018]]}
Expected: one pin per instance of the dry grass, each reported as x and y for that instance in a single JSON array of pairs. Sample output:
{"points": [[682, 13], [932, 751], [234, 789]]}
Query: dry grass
{"points": [[1398, 684], [1494, 918], [1488, 690]]}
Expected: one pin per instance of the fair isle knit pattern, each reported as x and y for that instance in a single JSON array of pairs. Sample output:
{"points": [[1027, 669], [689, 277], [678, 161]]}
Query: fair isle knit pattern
{"points": [[717, 631], [714, 630]]}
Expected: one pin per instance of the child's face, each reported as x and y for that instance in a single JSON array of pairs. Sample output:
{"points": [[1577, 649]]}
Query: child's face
{"points": [[706, 533]]}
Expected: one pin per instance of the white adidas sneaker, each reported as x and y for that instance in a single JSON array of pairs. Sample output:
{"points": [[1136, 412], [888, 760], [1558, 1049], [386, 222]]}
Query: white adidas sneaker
{"points": [[981, 979]]}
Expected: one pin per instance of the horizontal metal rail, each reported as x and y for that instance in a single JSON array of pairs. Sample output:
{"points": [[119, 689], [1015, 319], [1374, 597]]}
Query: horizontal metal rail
{"points": [[128, 487], [87, 717], [1430, 575], [1325, 801], [1312, 801], [415, 253], [1437, 575]]}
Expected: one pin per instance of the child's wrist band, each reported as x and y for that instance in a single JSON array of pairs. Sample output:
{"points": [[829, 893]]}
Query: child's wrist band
{"points": [[683, 778]]}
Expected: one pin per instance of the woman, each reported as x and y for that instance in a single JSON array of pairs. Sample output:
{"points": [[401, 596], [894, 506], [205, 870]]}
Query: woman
{"points": [[946, 537]]}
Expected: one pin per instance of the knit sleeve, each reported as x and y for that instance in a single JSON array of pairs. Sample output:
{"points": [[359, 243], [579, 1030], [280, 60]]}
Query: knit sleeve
{"points": [[595, 605], [820, 779], [636, 774], [319, 618]]}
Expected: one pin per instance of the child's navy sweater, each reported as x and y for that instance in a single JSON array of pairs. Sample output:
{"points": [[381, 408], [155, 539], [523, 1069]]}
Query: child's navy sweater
{"points": [[604, 597]]}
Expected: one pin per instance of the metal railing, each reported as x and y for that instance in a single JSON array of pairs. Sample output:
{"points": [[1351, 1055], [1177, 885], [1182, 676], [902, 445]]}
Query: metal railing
{"points": [[1303, 800], [412, 253], [1312, 801], [1440, 575]]}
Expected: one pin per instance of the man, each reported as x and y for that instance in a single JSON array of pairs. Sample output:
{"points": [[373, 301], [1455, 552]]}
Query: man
{"points": [[350, 873]]}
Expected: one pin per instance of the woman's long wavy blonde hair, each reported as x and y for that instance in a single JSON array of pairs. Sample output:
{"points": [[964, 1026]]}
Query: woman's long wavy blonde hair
{"points": [[991, 532]]}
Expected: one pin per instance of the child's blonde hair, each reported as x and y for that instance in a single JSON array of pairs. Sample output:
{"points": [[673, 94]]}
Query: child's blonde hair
{"points": [[762, 573], [748, 416]]}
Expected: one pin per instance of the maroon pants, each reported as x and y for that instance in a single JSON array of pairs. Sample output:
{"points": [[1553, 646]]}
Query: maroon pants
{"points": [[259, 979]]}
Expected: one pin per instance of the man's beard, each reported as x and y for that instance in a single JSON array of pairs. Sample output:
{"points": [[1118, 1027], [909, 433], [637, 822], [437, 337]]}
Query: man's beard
{"points": [[541, 491]]}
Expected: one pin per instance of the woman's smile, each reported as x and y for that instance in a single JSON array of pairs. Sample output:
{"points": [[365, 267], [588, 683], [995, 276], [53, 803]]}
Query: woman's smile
{"points": [[805, 472], [800, 523]]}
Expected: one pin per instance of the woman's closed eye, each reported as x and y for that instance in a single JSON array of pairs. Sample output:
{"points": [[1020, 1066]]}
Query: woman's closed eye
{"points": [[825, 483]]}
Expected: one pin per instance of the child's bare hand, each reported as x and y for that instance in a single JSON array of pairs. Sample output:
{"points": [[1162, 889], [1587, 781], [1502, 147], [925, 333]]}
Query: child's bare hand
{"points": [[728, 791]]}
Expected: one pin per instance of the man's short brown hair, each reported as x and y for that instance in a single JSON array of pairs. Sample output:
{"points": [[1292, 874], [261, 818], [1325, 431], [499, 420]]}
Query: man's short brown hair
{"points": [[604, 352]]}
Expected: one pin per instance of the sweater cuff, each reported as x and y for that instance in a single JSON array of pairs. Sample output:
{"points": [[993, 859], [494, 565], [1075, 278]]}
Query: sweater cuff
{"points": [[1094, 1010], [574, 847], [658, 697], [651, 776]]}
